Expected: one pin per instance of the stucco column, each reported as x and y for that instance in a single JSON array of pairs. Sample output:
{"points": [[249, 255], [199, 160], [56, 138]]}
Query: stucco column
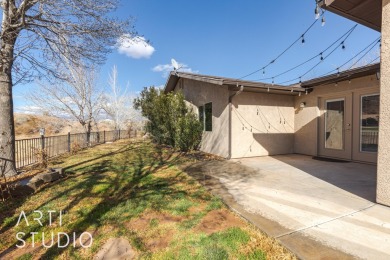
{"points": [[383, 188]]}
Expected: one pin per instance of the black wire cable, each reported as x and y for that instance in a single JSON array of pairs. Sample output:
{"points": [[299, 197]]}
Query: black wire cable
{"points": [[288, 48], [317, 64], [310, 59], [372, 44]]}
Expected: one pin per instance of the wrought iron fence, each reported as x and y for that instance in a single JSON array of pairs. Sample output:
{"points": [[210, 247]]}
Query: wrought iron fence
{"points": [[370, 137], [26, 149]]}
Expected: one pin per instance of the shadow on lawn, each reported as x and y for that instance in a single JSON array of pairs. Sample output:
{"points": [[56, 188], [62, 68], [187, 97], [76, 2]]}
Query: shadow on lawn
{"points": [[9, 207], [124, 184]]}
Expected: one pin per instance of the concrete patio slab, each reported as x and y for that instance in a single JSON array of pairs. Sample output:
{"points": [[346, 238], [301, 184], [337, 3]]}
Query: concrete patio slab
{"points": [[318, 209]]}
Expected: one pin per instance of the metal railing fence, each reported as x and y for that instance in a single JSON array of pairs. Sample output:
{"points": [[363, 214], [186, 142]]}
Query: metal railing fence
{"points": [[26, 149]]}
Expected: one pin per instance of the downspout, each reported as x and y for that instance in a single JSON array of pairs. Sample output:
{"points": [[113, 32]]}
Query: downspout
{"points": [[230, 118]]}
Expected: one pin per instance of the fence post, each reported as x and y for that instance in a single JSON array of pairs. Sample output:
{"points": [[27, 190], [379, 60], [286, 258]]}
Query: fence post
{"points": [[42, 142], [104, 136], [119, 134], [68, 142]]}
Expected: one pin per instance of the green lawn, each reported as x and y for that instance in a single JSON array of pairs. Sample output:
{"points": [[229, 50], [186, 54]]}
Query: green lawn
{"points": [[133, 190]]}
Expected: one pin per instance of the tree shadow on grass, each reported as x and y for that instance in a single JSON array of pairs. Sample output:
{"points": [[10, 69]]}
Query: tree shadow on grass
{"points": [[9, 207], [123, 182]]}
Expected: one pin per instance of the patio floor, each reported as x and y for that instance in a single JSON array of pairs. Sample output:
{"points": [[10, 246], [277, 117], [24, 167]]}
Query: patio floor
{"points": [[318, 209]]}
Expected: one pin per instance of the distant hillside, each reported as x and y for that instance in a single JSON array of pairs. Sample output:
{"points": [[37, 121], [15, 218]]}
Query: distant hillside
{"points": [[27, 126]]}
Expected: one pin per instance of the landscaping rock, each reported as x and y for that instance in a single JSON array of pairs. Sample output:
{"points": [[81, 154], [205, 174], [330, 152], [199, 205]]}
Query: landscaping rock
{"points": [[35, 183], [48, 176], [29, 186], [116, 248]]}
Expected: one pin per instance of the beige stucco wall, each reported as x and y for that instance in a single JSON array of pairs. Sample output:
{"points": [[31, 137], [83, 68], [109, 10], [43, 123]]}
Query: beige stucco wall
{"points": [[262, 124], [199, 93], [383, 183], [305, 141]]}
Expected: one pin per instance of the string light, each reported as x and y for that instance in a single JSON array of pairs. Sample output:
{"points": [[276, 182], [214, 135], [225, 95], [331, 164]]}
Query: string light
{"points": [[283, 52], [336, 43], [317, 12], [303, 39], [343, 45], [323, 21]]}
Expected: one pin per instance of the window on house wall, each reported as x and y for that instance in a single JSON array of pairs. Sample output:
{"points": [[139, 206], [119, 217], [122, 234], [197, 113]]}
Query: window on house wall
{"points": [[201, 116], [208, 114]]}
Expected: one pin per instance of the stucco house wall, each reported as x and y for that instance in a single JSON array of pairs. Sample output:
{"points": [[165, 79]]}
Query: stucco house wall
{"points": [[262, 124], [198, 93], [306, 119], [383, 186]]}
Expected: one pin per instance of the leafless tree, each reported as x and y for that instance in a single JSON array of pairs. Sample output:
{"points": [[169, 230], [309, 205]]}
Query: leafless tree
{"points": [[38, 36], [117, 102], [78, 97]]}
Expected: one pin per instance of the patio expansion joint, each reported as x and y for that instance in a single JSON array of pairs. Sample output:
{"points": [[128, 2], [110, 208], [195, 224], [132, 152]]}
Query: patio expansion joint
{"points": [[324, 222]]}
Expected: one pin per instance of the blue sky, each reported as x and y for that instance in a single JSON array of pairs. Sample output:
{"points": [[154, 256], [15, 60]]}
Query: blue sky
{"points": [[226, 38]]}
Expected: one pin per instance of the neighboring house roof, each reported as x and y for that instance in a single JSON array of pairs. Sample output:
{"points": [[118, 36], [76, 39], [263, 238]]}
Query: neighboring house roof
{"points": [[342, 76], [366, 12], [233, 84]]}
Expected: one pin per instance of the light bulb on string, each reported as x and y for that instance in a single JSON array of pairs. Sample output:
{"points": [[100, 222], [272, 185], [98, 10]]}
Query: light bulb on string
{"points": [[317, 12], [342, 45], [322, 57], [323, 21], [303, 39]]}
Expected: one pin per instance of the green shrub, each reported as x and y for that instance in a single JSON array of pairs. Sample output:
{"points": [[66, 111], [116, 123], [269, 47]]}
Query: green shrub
{"points": [[170, 120]]}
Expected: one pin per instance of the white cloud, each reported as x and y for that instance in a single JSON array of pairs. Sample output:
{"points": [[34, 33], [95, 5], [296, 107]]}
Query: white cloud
{"points": [[135, 47], [166, 68]]}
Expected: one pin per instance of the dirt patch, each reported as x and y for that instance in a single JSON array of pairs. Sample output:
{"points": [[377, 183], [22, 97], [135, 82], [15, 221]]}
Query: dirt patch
{"points": [[197, 209], [218, 220], [146, 220], [159, 240], [150, 227]]}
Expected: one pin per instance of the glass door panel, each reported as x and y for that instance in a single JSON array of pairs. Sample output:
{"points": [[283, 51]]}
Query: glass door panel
{"points": [[334, 124], [369, 123]]}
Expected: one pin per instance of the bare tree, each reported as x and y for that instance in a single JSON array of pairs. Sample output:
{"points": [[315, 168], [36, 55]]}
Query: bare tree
{"points": [[117, 103], [77, 97], [38, 36]]}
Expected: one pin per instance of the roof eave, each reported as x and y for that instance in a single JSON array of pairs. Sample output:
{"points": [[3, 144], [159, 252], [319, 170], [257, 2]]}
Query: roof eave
{"points": [[331, 6], [342, 76]]}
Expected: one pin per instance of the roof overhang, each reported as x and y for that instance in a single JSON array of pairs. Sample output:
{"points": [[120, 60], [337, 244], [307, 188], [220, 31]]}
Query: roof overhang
{"points": [[233, 84], [366, 12], [342, 76]]}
